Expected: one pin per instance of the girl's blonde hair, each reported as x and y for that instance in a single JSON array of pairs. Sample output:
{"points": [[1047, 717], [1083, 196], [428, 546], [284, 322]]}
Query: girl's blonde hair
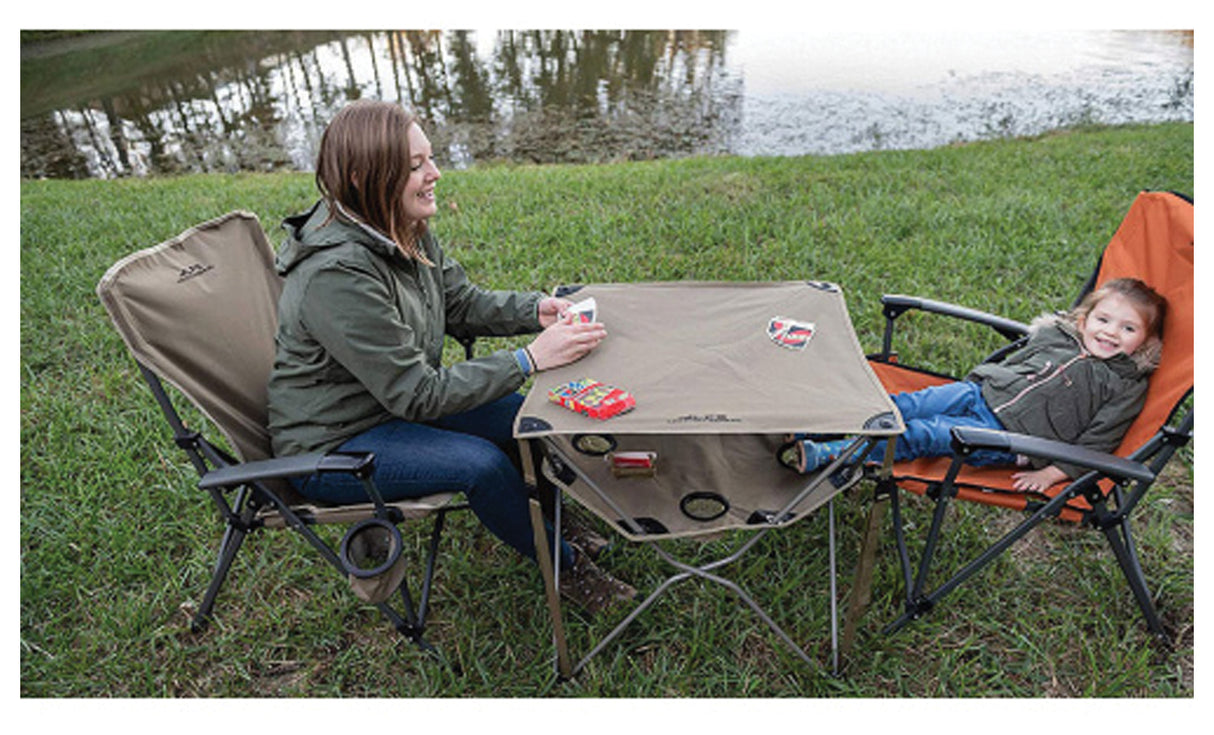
{"points": [[1150, 306], [362, 169]]}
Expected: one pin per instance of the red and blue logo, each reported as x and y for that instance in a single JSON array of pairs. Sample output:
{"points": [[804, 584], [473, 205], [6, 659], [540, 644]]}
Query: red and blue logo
{"points": [[790, 333]]}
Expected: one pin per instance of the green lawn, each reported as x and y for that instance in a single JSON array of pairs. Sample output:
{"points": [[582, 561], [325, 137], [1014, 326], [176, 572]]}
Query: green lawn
{"points": [[116, 542]]}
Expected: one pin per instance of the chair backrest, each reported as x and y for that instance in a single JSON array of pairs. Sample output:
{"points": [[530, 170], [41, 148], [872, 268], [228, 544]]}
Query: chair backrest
{"points": [[200, 311], [1155, 244]]}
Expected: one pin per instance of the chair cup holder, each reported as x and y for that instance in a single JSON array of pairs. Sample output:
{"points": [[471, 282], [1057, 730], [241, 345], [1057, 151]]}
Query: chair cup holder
{"points": [[371, 555]]}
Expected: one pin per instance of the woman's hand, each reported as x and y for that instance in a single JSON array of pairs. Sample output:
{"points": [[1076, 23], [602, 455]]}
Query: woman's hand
{"points": [[1036, 481], [565, 341], [551, 309]]}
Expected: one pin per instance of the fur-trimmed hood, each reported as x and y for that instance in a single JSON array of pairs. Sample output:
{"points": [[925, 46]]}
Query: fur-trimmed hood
{"points": [[1145, 359], [1053, 388]]}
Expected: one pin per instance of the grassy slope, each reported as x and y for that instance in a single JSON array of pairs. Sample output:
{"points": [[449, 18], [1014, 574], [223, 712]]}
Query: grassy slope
{"points": [[116, 545]]}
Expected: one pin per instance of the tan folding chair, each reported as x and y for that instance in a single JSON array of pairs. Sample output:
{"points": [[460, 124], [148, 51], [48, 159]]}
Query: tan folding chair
{"points": [[199, 312]]}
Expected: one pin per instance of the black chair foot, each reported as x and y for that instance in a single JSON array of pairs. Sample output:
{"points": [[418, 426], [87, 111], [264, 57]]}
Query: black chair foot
{"points": [[914, 611]]}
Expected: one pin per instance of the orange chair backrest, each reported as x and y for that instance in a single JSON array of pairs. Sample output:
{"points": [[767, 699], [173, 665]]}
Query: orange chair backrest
{"points": [[1155, 244]]}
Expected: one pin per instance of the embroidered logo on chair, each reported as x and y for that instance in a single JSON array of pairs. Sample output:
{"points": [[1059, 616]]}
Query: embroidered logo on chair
{"points": [[193, 271]]}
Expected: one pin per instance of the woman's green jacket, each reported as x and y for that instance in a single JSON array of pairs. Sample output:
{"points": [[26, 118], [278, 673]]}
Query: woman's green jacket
{"points": [[361, 332]]}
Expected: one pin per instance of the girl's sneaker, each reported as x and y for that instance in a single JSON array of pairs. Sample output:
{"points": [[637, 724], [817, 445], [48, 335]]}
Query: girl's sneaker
{"points": [[813, 454]]}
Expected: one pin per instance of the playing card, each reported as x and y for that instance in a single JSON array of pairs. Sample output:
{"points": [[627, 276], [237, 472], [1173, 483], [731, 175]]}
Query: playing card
{"points": [[585, 311]]}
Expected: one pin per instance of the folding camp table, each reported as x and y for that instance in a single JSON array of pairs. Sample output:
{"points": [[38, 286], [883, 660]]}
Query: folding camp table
{"points": [[720, 374]]}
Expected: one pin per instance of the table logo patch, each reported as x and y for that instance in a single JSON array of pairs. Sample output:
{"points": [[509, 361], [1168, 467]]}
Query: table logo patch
{"points": [[790, 333]]}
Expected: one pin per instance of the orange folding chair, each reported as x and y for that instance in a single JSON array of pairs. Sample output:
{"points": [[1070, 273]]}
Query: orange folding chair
{"points": [[1154, 243]]}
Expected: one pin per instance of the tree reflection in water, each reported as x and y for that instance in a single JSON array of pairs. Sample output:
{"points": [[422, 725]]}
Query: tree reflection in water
{"points": [[170, 102], [121, 104]]}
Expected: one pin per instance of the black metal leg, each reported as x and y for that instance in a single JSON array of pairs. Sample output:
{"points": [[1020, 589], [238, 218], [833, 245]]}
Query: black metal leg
{"points": [[1122, 543], [929, 547], [239, 518], [233, 537], [904, 562], [918, 603], [431, 555]]}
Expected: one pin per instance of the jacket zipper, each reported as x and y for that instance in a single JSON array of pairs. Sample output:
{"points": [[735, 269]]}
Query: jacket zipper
{"points": [[418, 278], [1029, 388]]}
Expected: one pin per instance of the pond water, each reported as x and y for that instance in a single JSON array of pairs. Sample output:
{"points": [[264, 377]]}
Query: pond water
{"points": [[133, 103]]}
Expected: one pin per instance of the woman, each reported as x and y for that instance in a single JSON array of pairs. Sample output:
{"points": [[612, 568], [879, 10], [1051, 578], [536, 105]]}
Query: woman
{"points": [[367, 299]]}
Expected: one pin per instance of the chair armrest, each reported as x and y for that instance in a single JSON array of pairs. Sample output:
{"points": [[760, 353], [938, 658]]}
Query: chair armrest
{"points": [[966, 438], [893, 305], [284, 467]]}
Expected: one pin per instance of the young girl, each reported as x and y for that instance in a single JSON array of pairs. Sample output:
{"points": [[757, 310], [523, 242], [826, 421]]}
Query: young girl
{"points": [[1080, 378], [367, 298]]}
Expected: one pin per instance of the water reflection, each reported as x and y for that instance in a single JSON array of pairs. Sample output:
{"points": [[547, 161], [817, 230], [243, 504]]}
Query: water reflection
{"points": [[849, 92], [120, 104], [259, 101]]}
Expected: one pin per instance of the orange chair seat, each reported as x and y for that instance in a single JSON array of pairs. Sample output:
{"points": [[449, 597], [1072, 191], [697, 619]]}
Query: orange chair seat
{"points": [[987, 485]]}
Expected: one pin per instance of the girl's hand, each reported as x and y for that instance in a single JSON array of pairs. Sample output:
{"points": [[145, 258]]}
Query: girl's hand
{"points": [[1036, 481], [565, 341], [551, 309]]}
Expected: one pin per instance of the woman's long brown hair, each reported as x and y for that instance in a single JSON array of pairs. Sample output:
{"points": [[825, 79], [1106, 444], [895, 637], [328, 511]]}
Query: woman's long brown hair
{"points": [[363, 166]]}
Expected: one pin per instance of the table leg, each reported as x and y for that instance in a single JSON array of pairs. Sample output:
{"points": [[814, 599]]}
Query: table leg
{"points": [[544, 559], [862, 586], [834, 595]]}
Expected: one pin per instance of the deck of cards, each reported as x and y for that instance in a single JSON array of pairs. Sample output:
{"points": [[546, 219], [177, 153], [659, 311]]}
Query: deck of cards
{"points": [[633, 464], [585, 311], [591, 398]]}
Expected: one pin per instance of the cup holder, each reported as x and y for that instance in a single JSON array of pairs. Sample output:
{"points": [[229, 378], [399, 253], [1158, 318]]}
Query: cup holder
{"points": [[371, 554]]}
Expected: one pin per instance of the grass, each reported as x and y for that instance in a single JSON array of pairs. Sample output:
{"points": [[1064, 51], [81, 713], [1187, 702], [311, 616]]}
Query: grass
{"points": [[116, 544]]}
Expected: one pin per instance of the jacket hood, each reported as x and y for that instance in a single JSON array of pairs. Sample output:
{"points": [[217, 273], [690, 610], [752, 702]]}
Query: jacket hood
{"points": [[1143, 362], [314, 230]]}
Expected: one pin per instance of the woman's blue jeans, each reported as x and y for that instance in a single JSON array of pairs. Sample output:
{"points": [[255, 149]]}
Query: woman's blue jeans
{"points": [[472, 452], [931, 413]]}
